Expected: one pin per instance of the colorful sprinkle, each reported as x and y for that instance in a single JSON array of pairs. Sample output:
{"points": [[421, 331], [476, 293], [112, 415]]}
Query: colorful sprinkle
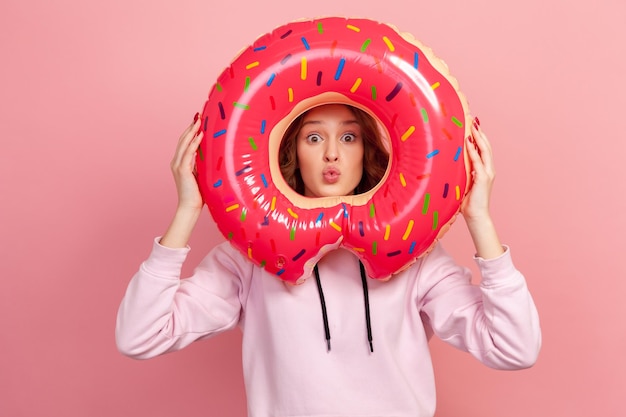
{"points": [[299, 255], [271, 79], [334, 225], [402, 180], [265, 184], [458, 153], [241, 106], [379, 67], [303, 68], [319, 218], [408, 133], [243, 170], [305, 43], [424, 115], [356, 85], [266, 221], [394, 253], [433, 153], [394, 92], [250, 252], [457, 122], [292, 233], [319, 78], [426, 203], [219, 133], [246, 85], [387, 232], [283, 36], [252, 143], [280, 272], [372, 210], [435, 85], [285, 59], [320, 29], [435, 220], [354, 28], [389, 44], [292, 213], [217, 183], [259, 48], [412, 247], [361, 230], [345, 210], [231, 208], [458, 192], [272, 102], [445, 190], [415, 60], [263, 125], [244, 213], [408, 230], [252, 65], [374, 248], [290, 92], [342, 62], [222, 112], [273, 203], [365, 44], [200, 153], [374, 93]]}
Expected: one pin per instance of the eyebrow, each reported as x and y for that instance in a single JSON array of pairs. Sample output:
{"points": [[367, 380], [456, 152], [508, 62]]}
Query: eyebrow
{"points": [[319, 122]]}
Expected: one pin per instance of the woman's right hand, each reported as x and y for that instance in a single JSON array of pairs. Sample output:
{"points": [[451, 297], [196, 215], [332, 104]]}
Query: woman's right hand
{"points": [[183, 167], [190, 202]]}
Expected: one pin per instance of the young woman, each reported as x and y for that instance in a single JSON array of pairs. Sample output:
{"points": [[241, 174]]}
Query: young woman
{"points": [[378, 363]]}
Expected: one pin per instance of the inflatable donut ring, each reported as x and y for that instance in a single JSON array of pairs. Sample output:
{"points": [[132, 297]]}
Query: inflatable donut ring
{"points": [[362, 63]]}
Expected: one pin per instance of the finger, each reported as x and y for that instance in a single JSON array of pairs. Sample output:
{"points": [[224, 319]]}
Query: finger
{"points": [[184, 141], [483, 146], [192, 128], [188, 159]]}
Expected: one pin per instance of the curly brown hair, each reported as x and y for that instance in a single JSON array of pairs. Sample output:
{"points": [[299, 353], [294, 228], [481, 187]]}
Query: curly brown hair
{"points": [[375, 156]]}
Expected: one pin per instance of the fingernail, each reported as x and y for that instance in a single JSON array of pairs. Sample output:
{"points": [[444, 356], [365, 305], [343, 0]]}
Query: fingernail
{"points": [[477, 121], [195, 118], [475, 125]]}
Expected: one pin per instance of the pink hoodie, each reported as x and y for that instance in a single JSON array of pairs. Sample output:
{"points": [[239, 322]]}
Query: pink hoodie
{"points": [[288, 370]]}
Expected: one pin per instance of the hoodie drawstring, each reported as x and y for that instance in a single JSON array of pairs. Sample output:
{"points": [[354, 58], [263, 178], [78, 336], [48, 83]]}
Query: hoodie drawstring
{"points": [[366, 300], [323, 302]]}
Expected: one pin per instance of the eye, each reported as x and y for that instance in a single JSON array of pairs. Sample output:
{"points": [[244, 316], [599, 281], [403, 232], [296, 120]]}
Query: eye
{"points": [[313, 138], [348, 137]]}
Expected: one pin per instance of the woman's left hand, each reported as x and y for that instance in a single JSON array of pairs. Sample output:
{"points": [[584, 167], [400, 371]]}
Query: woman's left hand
{"points": [[475, 207], [476, 204]]}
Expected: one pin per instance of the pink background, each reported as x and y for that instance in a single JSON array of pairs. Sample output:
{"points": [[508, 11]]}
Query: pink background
{"points": [[95, 94]]}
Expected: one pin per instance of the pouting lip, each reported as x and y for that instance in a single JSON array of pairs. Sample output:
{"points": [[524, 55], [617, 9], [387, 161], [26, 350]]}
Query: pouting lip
{"points": [[331, 175], [331, 171]]}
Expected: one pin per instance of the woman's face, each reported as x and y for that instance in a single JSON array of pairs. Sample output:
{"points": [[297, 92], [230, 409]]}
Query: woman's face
{"points": [[329, 147]]}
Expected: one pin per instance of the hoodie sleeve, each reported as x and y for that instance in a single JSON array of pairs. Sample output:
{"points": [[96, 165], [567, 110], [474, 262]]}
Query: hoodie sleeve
{"points": [[496, 321], [161, 312]]}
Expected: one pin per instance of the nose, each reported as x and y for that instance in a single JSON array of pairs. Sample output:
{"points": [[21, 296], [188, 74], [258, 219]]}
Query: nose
{"points": [[331, 153]]}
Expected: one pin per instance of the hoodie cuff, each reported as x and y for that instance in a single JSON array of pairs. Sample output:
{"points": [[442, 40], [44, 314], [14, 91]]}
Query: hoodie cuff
{"points": [[497, 270], [165, 262]]}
